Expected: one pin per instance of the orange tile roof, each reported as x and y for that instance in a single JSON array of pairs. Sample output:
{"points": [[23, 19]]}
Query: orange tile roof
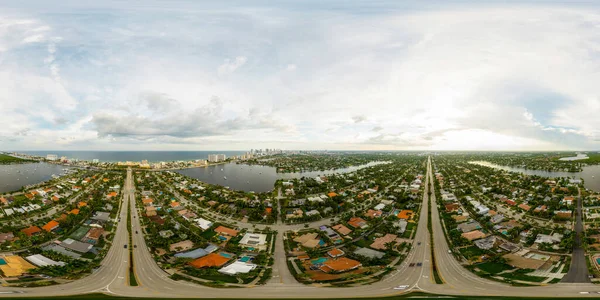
{"points": [[54, 198], [147, 201], [357, 222], [50, 226], [95, 233], [174, 204], [112, 194], [225, 230], [74, 211], [373, 213], [31, 230], [335, 252], [524, 207], [473, 235], [81, 204], [332, 194], [209, 261], [405, 214], [342, 264], [343, 230]]}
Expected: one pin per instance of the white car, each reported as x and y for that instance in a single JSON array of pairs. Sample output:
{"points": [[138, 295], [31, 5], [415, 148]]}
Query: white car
{"points": [[584, 293], [401, 287]]}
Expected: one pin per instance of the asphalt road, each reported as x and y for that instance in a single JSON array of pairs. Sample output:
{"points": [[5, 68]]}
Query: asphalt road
{"points": [[578, 271], [111, 278]]}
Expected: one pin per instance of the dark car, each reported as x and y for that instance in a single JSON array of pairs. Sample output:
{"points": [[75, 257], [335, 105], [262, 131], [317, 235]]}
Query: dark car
{"points": [[125, 246], [419, 264], [419, 243], [411, 265], [134, 246], [136, 232]]}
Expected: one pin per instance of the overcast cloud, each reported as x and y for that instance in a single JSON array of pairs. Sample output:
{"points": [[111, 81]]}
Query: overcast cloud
{"points": [[381, 75]]}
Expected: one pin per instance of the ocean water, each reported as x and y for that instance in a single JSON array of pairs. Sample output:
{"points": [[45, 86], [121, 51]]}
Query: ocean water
{"points": [[151, 156]]}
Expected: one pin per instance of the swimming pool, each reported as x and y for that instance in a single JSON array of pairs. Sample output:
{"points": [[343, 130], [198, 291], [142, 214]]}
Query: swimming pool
{"points": [[226, 255], [2, 261], [245, 259], [321, 243], [597, 260], [318, 261], [222, 238]]}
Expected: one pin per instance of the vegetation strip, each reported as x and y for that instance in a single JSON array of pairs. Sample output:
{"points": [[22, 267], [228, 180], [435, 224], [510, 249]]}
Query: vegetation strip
{"points": [[132, 279]]}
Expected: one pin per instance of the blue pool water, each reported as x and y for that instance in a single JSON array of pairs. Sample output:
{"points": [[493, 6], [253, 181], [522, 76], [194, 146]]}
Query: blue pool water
{"points": [[222, 238], [2, 261], [319, 260], [321, 243], [245, 259], [250, 248], [598, 260], [226, 255]]}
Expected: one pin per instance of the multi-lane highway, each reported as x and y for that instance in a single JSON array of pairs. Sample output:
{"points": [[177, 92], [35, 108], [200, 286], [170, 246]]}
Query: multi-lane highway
{"points": [[111, 278]]}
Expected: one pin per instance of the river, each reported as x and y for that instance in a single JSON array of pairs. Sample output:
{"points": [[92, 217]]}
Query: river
{"points": [[254, 178], [13, 177], [590, 174]]}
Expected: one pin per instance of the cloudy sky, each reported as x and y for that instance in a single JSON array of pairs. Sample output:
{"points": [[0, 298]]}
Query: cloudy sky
{"points": [[194, 75]]}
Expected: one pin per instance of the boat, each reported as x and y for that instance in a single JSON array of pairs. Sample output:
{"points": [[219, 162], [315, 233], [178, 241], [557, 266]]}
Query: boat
{"points": [[221, 169], [225, 177]]}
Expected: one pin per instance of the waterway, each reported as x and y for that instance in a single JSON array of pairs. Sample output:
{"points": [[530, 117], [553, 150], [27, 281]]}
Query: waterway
{"points": [[254, 178], [590, 174], [13, 177]]}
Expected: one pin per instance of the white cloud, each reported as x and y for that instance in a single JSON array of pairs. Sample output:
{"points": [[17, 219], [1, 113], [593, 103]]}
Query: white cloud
{"points": [[229, 66]]}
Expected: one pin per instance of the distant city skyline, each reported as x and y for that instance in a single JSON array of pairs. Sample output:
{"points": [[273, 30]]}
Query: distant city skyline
{"points": [[340, 75]]}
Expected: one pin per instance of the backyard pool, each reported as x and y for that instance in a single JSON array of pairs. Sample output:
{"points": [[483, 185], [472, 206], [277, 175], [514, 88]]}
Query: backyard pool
{"points": [[226, 255], [597, 261], [318, 261], [245, 259], [2, 261]]}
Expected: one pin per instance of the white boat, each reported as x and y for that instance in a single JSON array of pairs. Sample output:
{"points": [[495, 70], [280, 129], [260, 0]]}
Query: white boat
{"points": [[225, 177]]}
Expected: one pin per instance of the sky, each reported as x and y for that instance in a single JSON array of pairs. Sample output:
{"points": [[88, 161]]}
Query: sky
{"points": [[337, 75]]}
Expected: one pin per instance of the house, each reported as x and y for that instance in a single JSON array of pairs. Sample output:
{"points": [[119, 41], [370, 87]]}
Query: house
{"points": [[510, 202], [81, 204], [93, 235], [473, 235], [308, 240], [373, 213], [379, 206], [548, 239], [50, 226], [405, 214], [470, 226], [203, 223], [524, 207], [563, 214], [31, 230], [486, 243], [568, 200], [335, 252], [150, 211], [342, 264], [541, 208], [237, 267], [74, 211], [147, 201], [6, 237], [402, 225], [254, 241], [343, 230], [211, 260], [76, 245], [15, 266], [101, 216], [460, 218], [181, 246], [495, 219], [332, 194], [357, 222], [42, 261], [452, 207], [226, 231], [199, 252], [381, 243], [111, 195]]}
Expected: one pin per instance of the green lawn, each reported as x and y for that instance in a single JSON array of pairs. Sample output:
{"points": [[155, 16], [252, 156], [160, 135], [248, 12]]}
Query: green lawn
{"points": [[471, 251], [493, 268]]}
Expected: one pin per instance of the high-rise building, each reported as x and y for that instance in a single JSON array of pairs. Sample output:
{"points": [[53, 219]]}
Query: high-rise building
{"points": [[52, 157]]}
